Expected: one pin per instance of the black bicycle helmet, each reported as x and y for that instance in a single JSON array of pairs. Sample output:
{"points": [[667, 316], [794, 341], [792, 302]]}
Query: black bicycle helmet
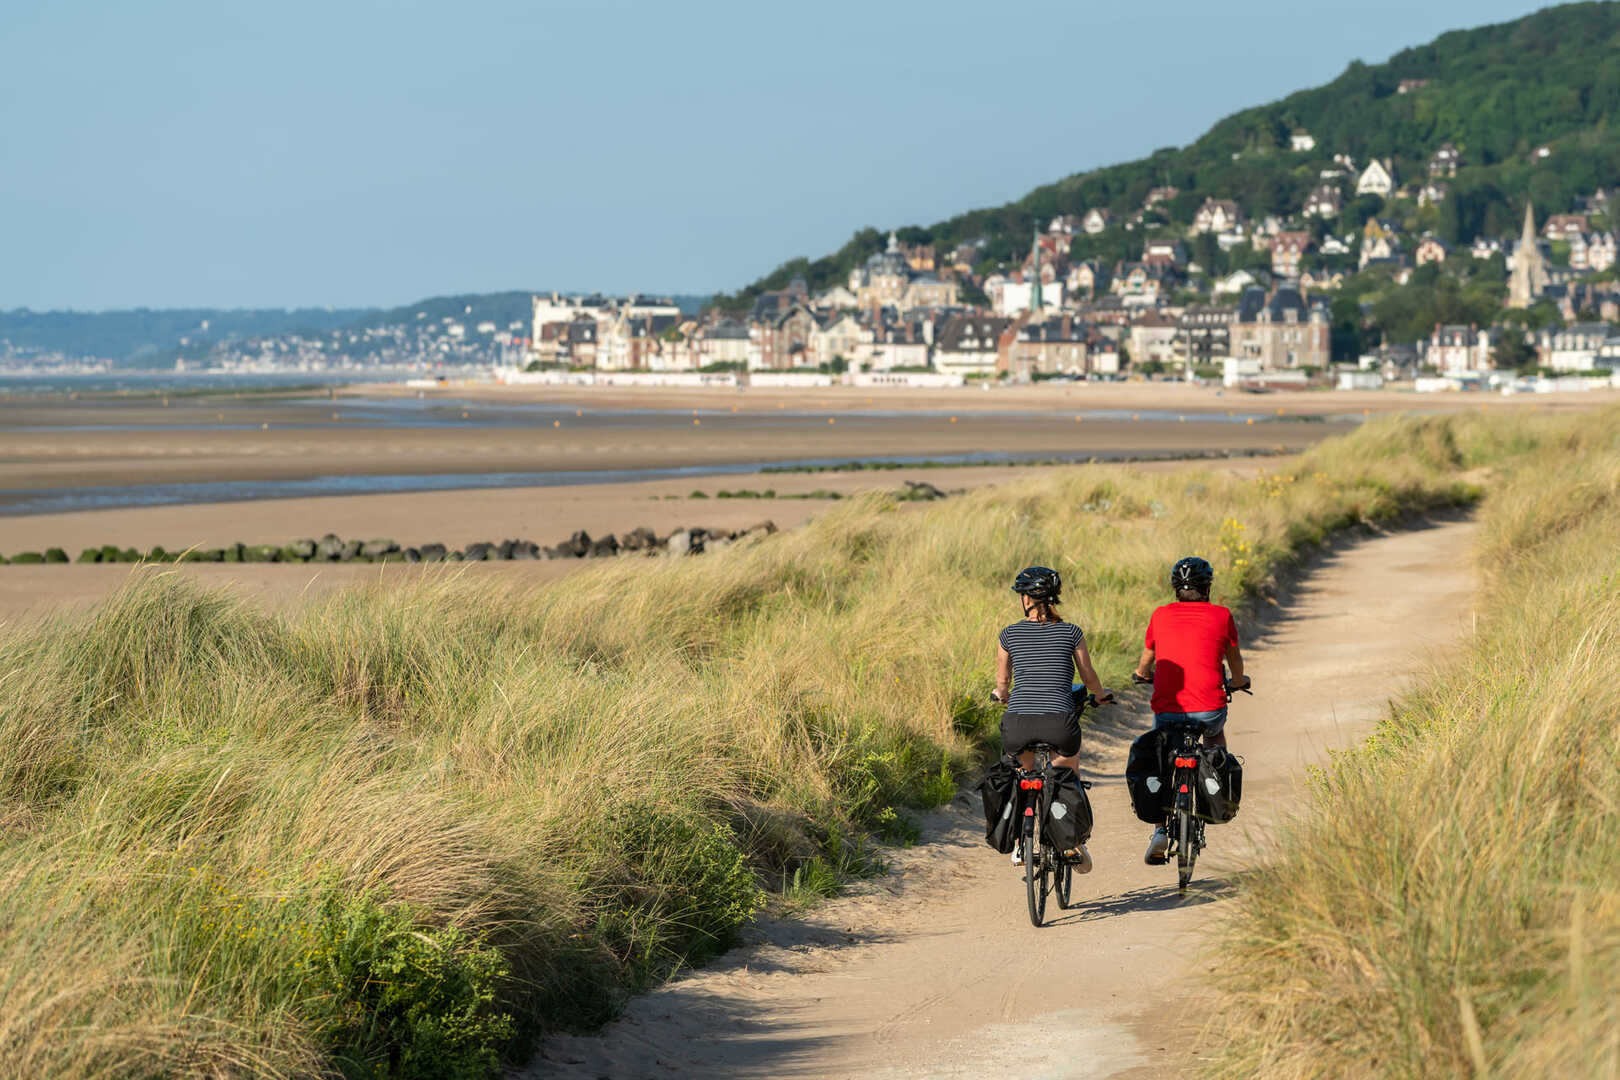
{"points": [[1038, 583], [1192, 573]]}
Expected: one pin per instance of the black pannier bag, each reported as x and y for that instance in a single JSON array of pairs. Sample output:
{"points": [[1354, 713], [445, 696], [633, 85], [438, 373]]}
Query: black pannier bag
{"points": [[999, 789], [1068, 811], [1147, 777], [1220, 784]]}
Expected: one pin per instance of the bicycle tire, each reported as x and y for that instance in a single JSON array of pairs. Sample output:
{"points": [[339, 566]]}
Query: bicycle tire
{"points": [[1034, 876], [1063, 882], [1186, 852]]}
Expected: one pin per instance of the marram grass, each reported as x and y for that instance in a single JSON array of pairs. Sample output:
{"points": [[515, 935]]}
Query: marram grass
{"points": [[403, 830], [1447, 900]]}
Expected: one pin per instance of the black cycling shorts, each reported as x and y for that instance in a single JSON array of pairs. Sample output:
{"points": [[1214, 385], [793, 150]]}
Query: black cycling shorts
{"points": [[1062, 730]]}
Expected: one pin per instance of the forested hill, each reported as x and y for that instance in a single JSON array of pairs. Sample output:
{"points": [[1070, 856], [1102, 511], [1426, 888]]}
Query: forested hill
{"points": [[1496, 92]]}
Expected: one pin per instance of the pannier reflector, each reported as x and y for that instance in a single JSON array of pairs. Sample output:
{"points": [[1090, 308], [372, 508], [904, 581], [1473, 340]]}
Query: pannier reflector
{"points": [[1154, 784]]}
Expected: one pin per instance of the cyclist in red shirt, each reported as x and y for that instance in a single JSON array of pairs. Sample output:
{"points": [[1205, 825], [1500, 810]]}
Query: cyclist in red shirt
{"points": [[1186, 643]]}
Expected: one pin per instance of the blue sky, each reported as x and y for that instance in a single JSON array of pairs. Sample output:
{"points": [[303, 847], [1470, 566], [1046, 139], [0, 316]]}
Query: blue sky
{"points": [[181, 153]]}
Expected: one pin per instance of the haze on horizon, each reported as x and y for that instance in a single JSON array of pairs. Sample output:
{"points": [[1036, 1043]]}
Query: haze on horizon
{"points": [[182, 154]]}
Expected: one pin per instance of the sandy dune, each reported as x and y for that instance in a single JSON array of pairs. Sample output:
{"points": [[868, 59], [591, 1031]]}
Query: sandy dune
{"points": [[934, 970]]}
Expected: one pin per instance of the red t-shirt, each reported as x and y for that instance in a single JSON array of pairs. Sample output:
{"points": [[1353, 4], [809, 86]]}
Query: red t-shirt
{"points": [[1189, 639]]}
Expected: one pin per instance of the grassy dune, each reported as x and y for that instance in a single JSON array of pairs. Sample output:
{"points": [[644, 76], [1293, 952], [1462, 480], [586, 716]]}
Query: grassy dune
{"points": [[402, 831], [1448, 902]]}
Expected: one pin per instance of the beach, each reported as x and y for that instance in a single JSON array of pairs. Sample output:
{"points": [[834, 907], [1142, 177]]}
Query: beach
{"points": [[486, 463]]}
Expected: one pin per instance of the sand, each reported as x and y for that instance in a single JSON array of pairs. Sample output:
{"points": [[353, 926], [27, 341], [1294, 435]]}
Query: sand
{"points": [[935, 970]]}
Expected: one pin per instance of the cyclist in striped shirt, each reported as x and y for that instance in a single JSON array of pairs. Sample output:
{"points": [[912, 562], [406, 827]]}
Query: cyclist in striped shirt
{"points": [[1036, 664]]}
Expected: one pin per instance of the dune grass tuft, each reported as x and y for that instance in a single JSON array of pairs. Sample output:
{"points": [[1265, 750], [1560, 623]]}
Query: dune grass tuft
{"points": [[403, 830]]}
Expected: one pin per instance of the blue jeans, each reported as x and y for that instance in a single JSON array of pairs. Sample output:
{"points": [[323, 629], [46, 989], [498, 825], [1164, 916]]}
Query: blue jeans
{"points": [[1212, 721]]}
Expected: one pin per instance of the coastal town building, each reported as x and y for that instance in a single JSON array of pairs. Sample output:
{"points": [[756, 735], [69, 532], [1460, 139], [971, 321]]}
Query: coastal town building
{"points": [[1152, 340], [1163, 253], [888, 279], [1097, 220], [1323, 201], [902, 345], [1574, 347], [1217, 216], [1378, 178], [1287, 248], [1158, 195], [1322, 279], [1055, 344], [783, 340], [1456, 348], [1445, 160], [1592, 251], [842, 336], [1431, 249], [1087, 277], [1301, 141], [725, 343], [1205, 338], [971, 345], [1281, 331], [1564, 226]]}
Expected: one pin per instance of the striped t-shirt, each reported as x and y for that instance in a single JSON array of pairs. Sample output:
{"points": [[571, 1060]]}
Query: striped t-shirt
{"points": [[1043, 665]]}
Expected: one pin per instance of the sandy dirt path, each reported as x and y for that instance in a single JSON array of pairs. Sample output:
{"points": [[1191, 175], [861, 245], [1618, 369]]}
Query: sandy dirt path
{"points": [[934, 970]]}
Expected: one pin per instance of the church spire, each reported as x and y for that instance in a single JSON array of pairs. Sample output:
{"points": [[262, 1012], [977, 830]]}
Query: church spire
{"points": [[1528, 277], [1036, 300]]}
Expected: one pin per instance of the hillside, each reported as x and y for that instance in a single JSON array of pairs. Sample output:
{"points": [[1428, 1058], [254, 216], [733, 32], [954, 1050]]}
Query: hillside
{"points": [[1496, 92]]}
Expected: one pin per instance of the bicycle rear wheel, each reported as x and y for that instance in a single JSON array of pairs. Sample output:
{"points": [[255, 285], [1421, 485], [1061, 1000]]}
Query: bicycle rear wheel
{"points": [[1186, 847], [1035, 874], [1063, 880]]}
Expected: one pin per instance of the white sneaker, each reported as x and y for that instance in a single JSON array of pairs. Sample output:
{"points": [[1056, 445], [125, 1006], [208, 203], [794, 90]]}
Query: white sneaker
{"points": [[1082, 861], [1017, 859], [1157, 847]]}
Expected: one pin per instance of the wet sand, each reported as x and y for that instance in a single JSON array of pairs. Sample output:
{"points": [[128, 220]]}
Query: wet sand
{"points": [[51, 447]]}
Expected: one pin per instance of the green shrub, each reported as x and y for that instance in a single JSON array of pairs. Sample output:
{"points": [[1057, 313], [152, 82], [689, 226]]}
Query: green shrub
{"points": [[55, 555], [89, 555], [27, 558], [392, 1000], [688, 888]]}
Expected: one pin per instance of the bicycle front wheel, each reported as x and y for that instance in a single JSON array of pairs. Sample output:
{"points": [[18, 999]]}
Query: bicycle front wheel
{"points": [[1064, 883]]}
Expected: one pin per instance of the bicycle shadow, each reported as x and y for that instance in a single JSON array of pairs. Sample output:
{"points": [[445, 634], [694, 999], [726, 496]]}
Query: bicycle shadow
{"points": [[1150, 898]]}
